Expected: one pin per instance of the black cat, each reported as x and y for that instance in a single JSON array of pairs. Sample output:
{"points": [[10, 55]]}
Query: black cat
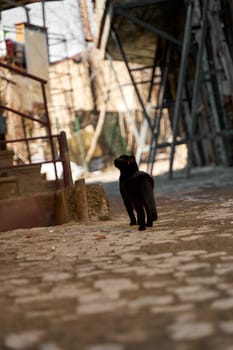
{"points": [[136, 188]]}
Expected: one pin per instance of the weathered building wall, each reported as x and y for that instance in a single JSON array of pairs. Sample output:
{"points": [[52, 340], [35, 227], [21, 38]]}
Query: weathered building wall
{"points": [[87, 86], [84, 88], [94, 89]]}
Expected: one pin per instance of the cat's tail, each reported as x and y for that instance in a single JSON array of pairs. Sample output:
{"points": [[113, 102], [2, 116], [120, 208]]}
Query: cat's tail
{"points": [[153, 210], [149, 201], [155, 215]]}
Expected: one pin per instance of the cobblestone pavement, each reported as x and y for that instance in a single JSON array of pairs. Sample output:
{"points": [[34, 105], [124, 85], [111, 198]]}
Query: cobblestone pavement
{"points": [[107, 286]]}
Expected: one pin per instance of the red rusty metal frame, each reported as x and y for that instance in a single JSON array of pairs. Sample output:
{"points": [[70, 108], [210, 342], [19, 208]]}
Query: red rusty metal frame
{"points": [[67, 179]]}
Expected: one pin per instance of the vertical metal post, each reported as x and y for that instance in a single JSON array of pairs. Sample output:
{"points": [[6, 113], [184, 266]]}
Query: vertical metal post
{"points": [[27, 11], [43, 13], [196, 87], [153, 136], [153, 72], [159, 111], [26, 139], [181, 80], [49, 131], [212, 99]]}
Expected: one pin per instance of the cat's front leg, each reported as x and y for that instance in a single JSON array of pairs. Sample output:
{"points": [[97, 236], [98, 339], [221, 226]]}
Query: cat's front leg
{"points": [[129, 208], [133, 221], [132, 217]]}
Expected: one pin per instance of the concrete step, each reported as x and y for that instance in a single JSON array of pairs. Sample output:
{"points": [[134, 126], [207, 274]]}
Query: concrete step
{"points": [[9, 187]]}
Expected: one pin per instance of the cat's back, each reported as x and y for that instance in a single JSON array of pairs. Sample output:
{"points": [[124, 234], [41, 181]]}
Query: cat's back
{"points": [[136, 184], [142, 177]]}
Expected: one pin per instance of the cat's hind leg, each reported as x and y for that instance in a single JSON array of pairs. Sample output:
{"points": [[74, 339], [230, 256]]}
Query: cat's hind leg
{"points": [[151, 216], [141, 217]]}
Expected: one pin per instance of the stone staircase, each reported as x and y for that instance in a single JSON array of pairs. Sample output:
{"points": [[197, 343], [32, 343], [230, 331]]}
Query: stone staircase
{"points": [[26, 198], [21, 181]]}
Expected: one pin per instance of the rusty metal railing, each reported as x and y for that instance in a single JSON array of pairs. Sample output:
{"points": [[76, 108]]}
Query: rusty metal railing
{"points": [[63, 155]]}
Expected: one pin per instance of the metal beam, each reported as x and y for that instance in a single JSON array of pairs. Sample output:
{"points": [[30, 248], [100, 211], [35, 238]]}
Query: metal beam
{"points": [[9, 4], [129, 118], [197, 80], [153, 73], [139, 3], [159, 111], [147, 26], [181, 80], [123, 55]]}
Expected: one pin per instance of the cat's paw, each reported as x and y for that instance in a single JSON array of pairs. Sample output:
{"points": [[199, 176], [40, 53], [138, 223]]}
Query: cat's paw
{"points": [[133, 222], [142, 228], [149, 224]]}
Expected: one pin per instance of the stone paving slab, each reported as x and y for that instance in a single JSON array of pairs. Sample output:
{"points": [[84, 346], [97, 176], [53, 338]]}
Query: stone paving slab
{"points": [[106, 286]]}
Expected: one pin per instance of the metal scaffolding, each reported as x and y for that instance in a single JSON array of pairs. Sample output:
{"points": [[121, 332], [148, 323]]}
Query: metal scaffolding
{"points": [[204, 65]]}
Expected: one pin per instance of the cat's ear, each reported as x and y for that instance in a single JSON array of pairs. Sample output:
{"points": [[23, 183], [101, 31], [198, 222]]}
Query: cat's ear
{"points": [[132, 158]]}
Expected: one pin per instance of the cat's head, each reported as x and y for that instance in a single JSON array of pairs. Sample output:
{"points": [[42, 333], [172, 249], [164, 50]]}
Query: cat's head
{"points": [[126, 164]]}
